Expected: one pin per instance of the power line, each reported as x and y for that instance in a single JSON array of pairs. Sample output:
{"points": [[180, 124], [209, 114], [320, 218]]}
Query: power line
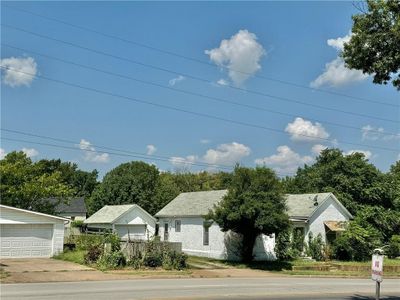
{"points": [[196, 77], [189, 92], [204, 115], [141, 156], [129, 153], [171, 53]]}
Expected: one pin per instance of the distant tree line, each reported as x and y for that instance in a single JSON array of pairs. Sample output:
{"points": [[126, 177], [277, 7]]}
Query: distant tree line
{"points": [[255, 197]]}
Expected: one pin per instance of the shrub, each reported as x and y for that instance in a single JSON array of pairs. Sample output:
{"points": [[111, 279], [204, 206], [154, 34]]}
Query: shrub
{"points": [[315, 247], [153, 259], [93, 254], [114, 240], [283, 248], [85, 241], [111, 260], [394, 247], [356, 243], [77, 224]]}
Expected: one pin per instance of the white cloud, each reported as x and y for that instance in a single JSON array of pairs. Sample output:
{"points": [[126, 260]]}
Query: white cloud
{"points": [[205, 141], [222, 82], [367, 153], [183, 162], [303, 130], [286, 161], [151, 149], [18, 71], [377, 133], [224, 154], [30, 152], [241, 55], [2, 153], [336, 73], [174, 81], [317, 149], [91, 154], [338, 43]]}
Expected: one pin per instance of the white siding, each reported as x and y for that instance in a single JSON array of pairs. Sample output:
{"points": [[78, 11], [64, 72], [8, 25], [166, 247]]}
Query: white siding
{"points": [[329, 211], [136, 216], [26, 234], [222, 245], [136, 232]]}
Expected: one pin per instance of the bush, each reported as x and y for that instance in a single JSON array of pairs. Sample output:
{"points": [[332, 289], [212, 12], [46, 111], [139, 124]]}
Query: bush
{"points": [[114, 240], [315, 247], [356, 243], [393, 250], [153, 259], [77, 224], [93, 254], [111, 260], [283, 248], [86, 241]]}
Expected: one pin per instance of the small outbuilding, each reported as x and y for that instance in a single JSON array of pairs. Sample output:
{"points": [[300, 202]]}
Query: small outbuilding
{"points": [[25, 233], [130, 222]]}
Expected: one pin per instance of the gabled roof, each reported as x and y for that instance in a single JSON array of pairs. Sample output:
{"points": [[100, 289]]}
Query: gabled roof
{"points": [[304, 205], [33, 212], [300, 206], [75, 205], [192, 204], [110, 213]]}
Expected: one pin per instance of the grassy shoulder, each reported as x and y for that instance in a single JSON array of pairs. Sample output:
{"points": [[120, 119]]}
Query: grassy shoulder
{"points": [[303, 267], [76, 256]]}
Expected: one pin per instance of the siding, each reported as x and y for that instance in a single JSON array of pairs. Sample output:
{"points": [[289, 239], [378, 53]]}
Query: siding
{"points": [[222, 245], [329, 211], [137, 217]]}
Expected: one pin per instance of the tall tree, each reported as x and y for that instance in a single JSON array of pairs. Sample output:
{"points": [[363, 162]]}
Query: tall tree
{"points": [[254, 205], [354, 180], [23, 185], [374, 46], [129, 183]]}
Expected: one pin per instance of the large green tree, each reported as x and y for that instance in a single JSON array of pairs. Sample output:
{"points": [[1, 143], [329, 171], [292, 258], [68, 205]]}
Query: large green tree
{"points": [[24, 185], [354, 180], [374, 47], [129, 183], [254, 205]]}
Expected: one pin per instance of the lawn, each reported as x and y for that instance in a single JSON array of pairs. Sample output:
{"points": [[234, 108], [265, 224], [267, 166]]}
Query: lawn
{"points": [[303, 267], [76, 256]]}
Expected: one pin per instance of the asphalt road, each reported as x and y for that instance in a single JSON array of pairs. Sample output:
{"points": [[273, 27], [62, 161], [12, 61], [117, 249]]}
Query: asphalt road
{"points": [[206, 288]]}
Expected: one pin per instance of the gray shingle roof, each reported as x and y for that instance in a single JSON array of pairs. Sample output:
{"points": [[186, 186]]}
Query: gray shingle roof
{"points": [[302, 205], [199, 203], [108, 214], [192, 204]]}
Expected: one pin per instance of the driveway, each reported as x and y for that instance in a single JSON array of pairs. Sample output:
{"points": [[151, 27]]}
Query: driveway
{"points": [[29, 270]]}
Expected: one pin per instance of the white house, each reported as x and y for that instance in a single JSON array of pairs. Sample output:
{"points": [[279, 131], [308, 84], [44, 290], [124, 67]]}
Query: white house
{"points": [[182, 220], [128, 221], [25, 233]]}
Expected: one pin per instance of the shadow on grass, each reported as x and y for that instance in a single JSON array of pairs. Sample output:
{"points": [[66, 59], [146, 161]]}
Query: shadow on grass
{"points": [[266, 265], [360, 297]]}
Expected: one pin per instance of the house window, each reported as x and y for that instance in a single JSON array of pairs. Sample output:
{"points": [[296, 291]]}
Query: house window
{"points": [[177, 225], [166, 233], [206, 233]]}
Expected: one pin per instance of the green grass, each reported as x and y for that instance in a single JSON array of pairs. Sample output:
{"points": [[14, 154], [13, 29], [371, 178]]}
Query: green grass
{"points": [[386, 262], [3, 273], [76, 256], [158, 272]]}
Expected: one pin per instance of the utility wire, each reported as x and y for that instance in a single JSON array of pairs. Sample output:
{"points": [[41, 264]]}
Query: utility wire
{"points": [[171, 53], [196, 77], [189, 92], [115, 151], [141, 156], [204, 115]]}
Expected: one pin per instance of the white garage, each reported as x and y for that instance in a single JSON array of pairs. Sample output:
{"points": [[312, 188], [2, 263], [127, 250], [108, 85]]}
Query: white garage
{"points": [[25, 233]]}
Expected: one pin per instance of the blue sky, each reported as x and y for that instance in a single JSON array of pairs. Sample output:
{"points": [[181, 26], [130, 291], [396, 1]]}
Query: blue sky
{"points": [[297, 42]]}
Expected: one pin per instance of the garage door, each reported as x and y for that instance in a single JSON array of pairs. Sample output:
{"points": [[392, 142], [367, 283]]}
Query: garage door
{"points": [[26, 240], [134, 232]]}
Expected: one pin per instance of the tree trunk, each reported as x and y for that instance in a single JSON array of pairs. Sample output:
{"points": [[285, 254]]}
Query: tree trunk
{"points": [[249, 240]]}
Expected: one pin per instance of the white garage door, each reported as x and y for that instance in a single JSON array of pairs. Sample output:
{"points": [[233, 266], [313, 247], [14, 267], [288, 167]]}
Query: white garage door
{"points": [[135, 232], [26, 240]]}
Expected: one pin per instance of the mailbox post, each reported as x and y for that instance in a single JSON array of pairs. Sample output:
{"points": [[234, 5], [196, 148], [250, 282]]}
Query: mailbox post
{"points": [[377, 272]]}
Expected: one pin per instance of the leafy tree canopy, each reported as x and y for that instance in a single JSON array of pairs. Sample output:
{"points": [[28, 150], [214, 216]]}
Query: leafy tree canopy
{"points": [[375, 42], [354, 180], [24, 185], [253, 205]]}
